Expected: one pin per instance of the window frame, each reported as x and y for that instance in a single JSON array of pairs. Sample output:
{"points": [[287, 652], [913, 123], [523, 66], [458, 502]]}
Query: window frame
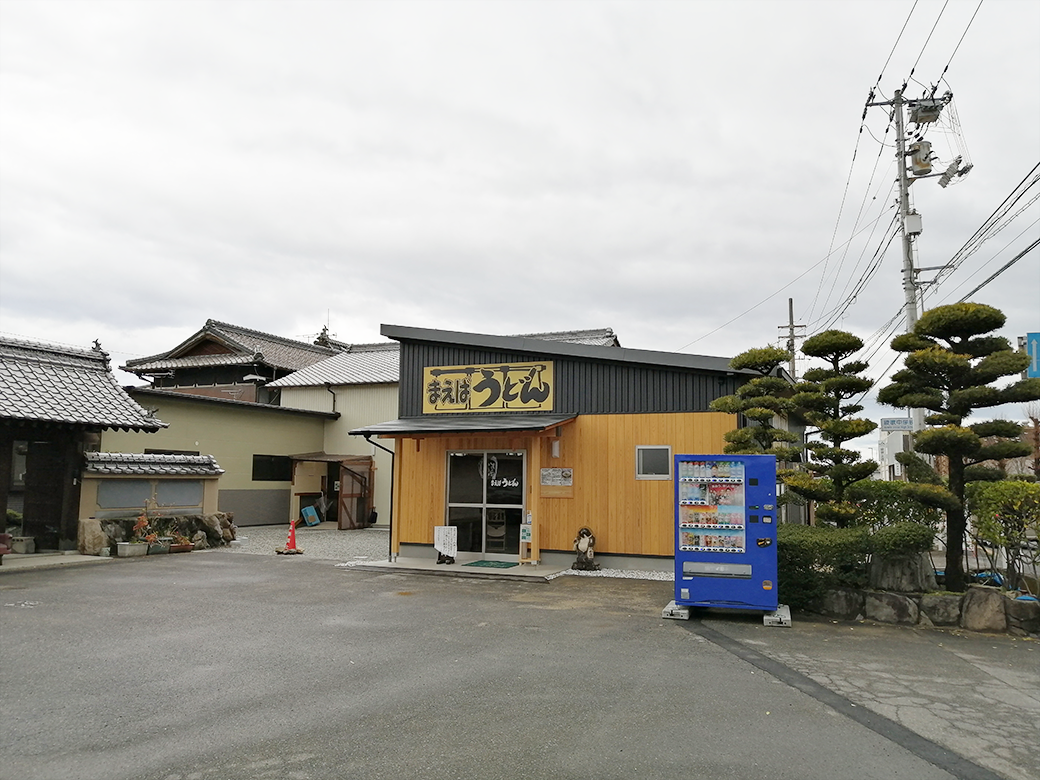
{"points": [[640, 448]]}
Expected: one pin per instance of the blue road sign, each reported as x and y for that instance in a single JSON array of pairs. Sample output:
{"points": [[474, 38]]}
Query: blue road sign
{"points": [[1033, 350]]}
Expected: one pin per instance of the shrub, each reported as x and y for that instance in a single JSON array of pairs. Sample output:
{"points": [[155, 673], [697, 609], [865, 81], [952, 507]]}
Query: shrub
{"points": [[902, 539], [814, 559], [880, 503]]}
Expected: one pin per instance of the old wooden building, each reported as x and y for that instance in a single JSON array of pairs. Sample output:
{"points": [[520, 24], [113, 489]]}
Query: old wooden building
{"points": [[54, 404]]}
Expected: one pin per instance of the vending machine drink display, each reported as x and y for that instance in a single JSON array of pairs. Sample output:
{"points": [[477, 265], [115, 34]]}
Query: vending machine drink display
{"points": [[725, 531]]}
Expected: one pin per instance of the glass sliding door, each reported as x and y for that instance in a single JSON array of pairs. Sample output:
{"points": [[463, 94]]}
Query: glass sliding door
{"points": [[486, 502]]}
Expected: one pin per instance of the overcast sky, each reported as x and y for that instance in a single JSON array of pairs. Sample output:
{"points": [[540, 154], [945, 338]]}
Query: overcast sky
{"points": [[500, 167]]}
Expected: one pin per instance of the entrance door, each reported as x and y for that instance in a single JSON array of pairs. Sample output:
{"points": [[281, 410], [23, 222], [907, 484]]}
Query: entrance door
{"points": [[486, 502]]}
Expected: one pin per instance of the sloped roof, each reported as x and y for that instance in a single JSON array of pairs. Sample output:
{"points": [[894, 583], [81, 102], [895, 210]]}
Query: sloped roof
{"points": [[126, 464], [600, 337], [363, 364], [566, 348], [359, 364], [45, 383], [247, 347]]}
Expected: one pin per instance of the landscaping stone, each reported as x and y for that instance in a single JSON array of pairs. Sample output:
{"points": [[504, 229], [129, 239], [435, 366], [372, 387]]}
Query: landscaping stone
{"points": [[92, 538], [903, 574], [843, 603], [891, 608], [983, 609], [941, 609], [1023, 616]]}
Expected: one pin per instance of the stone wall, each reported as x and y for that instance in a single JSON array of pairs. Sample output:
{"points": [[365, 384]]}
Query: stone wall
{"points": [[204, 531], [981, 608]]}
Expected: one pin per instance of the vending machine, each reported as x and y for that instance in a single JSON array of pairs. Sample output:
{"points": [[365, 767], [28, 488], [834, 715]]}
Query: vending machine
{"points": [[725, 531]]}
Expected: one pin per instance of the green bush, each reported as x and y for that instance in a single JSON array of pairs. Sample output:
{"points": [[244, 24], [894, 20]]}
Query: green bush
{"points": [[902, 539], [814, 559], [880, 503], [14, 518]]}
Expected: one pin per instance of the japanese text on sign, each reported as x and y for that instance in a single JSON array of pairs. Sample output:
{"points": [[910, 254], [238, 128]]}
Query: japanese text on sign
{"points": [[514, 387]]}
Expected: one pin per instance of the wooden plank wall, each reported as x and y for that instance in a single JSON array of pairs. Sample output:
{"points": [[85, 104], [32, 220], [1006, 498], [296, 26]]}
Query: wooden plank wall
{"points": [[627, 515]]}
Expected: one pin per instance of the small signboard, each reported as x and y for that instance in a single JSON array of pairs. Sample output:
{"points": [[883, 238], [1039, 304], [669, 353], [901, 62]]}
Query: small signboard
{"points": [[897, 424], [556, 483], [446, 540], [1033, 350]]}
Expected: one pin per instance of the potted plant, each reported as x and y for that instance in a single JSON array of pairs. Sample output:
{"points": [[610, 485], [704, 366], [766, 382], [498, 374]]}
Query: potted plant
{"points": [[138, 544], [181, 543]]}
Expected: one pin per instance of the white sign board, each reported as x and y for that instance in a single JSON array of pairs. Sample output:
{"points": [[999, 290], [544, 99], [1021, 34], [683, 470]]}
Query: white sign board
{"points": [[557, 477], [897, 424], [446, 539]]}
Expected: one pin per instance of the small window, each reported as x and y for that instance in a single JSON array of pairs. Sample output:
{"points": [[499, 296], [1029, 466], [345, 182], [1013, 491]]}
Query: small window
{"points": [[272, 468], [653, 462]]}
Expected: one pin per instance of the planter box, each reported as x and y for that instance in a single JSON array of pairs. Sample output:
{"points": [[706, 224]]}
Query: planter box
{"points": [[129, 550], [23, 544], [178, 548]]}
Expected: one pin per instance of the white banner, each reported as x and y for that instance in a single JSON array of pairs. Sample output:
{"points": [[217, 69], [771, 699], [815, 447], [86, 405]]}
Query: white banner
{"points": [[446, 539]]}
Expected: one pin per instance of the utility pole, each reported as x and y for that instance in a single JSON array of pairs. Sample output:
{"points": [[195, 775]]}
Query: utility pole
{"points": [[923, 111], [908, 230], [791, 336]]}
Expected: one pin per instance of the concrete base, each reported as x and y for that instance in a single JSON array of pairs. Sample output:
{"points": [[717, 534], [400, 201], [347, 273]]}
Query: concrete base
{"points": [[781, 617], [674, 612]]}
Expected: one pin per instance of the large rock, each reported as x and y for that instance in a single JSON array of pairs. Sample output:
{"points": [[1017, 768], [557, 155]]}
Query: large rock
{"points": [[92, 538], [983, 609], [1023, 616], [891, 608], [214, 532], [941, 609], [903, 573], [843, 603]]}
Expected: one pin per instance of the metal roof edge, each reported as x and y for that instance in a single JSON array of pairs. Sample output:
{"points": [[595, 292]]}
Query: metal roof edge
{"points": [[169, 394], [527, 344]]}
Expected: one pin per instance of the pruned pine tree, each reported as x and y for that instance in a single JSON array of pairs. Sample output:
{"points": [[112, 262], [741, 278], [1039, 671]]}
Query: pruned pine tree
{"points": [[823, 400], [952, 369], [761, 401]]}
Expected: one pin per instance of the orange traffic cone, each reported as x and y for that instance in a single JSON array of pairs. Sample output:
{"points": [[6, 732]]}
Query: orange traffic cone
{"points": [[290, 543]]}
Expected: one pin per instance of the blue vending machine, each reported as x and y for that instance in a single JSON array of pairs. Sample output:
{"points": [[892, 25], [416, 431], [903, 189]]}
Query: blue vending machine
{"points": [[725, 531]]}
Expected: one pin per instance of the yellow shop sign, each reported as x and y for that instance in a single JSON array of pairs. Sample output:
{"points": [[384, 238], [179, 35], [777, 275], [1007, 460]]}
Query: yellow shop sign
{"points": [[514, 387]]}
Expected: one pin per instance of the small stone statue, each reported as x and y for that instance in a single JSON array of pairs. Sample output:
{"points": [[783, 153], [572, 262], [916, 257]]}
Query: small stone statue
{"points": [[583, 545]]}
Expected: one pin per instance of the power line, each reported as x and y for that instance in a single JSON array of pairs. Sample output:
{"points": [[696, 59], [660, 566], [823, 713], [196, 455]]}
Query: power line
{"points": [[777, 292], [1003, 268]]}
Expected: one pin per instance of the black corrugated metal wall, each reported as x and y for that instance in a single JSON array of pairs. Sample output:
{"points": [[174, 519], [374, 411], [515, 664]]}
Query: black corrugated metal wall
{"points": [[583, 386]]}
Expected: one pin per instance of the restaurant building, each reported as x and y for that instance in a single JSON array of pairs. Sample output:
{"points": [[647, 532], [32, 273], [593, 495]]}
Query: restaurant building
{"points": [[520, 442]]}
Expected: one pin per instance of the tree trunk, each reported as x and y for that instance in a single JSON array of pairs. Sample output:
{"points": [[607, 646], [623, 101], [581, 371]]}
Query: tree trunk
{"points": [[955, 528]]}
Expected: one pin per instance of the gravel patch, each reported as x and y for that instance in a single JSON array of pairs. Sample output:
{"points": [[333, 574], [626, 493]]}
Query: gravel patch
{"points": [[363, 545], [625, 574], [322, 543]]}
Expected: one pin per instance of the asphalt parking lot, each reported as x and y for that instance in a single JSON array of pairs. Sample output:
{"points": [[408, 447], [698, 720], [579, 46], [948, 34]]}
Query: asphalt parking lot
{"points": [[230, 665]]}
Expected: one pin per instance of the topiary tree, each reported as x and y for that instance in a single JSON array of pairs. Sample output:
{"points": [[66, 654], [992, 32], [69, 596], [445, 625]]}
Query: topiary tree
{"points": [[952, 365], [823, 400], [760, 400]]}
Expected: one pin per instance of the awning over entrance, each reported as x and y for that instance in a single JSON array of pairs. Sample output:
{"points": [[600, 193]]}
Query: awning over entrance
{"points": [[325, 457], [463, 424]]}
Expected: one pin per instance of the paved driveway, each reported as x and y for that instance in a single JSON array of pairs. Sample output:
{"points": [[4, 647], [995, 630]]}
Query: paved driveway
{"points": [[233, 666]]}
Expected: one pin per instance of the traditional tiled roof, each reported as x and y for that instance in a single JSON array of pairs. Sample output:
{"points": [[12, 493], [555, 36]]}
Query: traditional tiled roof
{"points": [[248, 347], [360, 364], [45, 383], [600, 337], [364, 364], [135, 464]]}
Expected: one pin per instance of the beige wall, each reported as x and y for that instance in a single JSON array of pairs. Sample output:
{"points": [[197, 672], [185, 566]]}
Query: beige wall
{"points": [[232, 434], [88, 497], [358, 405]]}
